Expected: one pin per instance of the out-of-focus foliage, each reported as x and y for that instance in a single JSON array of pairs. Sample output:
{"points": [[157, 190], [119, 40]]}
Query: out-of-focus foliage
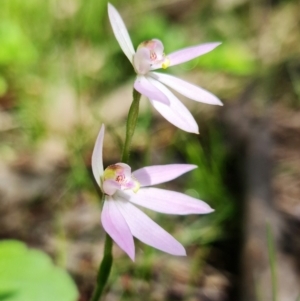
{"points": [[16, 48], [28, 274], [207, 183], [230, 57]]}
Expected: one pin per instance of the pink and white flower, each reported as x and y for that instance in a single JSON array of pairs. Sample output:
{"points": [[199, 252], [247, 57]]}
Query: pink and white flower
{"points": [[123, 189], [150, 56]]}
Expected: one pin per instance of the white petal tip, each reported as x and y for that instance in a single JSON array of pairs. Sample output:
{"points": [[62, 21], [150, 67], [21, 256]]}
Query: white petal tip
{"points": [[194, 131], [120, 31], [178, 250], [213, 103], [109, 5], [211, 99], [181, 253], [216, 44], [130, 254], [209, 210]]}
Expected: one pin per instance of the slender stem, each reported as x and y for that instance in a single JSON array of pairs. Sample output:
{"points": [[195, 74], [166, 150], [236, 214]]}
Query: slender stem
{"points": [[130, 125], [106, 264], [104, 269], [272, 259]]}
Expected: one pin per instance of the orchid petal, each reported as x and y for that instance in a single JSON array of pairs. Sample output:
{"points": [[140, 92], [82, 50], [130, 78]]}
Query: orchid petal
{"points": [[126, 169], [147, 231], [141, 61], [176, 113], [187, 54], [120, 32], [97, 160], [114, 223], [145, 87], [169, 202], [186, 89], [152, 175], [110, 187]]}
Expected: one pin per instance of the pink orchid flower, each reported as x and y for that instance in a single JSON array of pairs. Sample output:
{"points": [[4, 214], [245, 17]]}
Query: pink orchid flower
{"points": [[150, 56], [123, 189]]}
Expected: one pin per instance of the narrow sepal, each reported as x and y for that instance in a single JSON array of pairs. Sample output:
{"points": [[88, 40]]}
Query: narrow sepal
{"points": [[189, 53], [97, 158], [186, 89], [116, 226], [176, 113], [156, 174], [120, 32], [150, 233]]}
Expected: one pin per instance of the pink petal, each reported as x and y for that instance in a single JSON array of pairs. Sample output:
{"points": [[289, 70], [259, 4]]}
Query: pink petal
{"points": [[97, 160], [145, 87], [120, 32], [110, 187], [189, 90], [176, 113], [169, 202], [150, 233], [190, 53], [115, 225], [141, 61], [126, 169], [152, 175]]}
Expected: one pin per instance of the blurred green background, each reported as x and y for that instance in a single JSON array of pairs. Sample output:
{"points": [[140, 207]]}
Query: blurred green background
{"points": [[62, 74]]}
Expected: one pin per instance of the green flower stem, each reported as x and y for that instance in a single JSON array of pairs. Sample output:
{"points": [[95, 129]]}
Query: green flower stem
{"points": [[104, 269], [130, 125], [106, 264], [272, 260]]}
